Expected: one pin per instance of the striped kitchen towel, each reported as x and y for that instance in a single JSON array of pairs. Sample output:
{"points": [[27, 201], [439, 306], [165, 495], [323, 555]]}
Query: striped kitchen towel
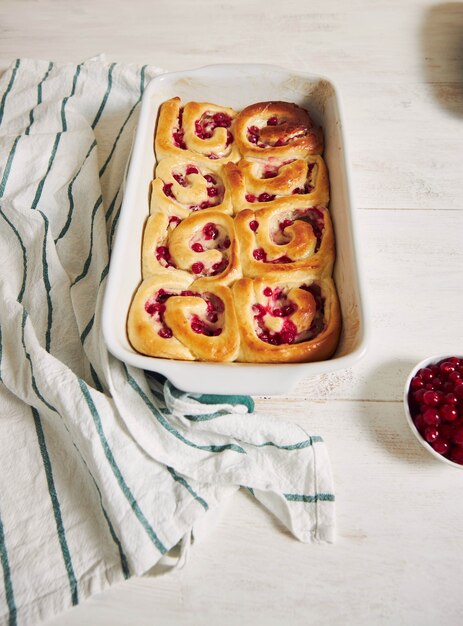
{"points": [[103, 469]]}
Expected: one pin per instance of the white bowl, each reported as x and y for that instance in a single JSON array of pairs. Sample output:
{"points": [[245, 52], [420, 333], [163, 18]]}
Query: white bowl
{"points": [[424, 363], [236, 85]]}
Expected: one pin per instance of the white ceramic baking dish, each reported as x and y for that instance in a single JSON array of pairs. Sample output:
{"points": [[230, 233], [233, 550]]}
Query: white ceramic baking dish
{"points": [[235, 85]]}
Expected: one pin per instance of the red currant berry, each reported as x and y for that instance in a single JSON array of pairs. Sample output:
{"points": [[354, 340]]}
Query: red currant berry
{"points": [[451, 398], [426, 374], [431, 417], [417, 383], [448, 412], [431, 398], [447, 367], [441, 446], [431, 433]]}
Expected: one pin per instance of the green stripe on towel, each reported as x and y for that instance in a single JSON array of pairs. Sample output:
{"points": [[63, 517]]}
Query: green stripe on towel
{"points": [[7, 579], [56, 507]]}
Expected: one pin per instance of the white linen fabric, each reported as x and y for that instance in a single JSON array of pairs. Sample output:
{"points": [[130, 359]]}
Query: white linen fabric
{"points": [[103, 469]]}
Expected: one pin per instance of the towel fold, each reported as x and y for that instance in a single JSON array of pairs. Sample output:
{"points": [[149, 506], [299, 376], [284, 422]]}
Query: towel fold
{"points": [[103, 468]]}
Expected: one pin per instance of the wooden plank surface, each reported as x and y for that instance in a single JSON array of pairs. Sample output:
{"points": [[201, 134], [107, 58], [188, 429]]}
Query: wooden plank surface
{"points": [[398, 64]]}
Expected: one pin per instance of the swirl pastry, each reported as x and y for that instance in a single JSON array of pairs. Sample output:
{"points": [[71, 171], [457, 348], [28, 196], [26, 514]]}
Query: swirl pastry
{"points": [[198, 129], [290, 236], [287, 317], [277, 129], [256, 183], [238, 222], [204, 245], [183, 186], [169, 318]]}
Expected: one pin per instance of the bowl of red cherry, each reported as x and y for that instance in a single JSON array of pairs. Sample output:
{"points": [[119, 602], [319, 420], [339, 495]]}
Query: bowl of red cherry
{"points": [[433, 401]]}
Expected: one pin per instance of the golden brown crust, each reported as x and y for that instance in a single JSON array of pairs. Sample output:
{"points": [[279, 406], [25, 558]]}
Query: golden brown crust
{"points": [[197, 129], [204, 246], [291, 236], [169, 318], [279, 129], [259, 183], [287, 319]]}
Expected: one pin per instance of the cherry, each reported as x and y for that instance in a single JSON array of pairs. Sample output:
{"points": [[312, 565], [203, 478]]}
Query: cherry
{"points": [[191, 169], [165, 332], [173, 219], [197, 247], [272, 121], [210, 179], [250, 197], [254, 225], [267, 292]]}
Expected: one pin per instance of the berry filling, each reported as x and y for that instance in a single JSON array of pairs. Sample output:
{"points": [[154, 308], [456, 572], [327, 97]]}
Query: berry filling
{"points": [[205, 126], [163, 256], [435, 400], [254, 134], [167, 189], [155, 307], [314, 217], [211, 237], [211, 326], [278, 305], [178, 132]]}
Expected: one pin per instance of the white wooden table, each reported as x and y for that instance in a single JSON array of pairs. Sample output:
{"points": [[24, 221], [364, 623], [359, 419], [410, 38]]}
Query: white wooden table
{"points": [[398, 558]]}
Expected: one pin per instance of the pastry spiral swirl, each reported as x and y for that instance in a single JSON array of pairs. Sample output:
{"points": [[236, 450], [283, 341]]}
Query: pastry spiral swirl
{"points": [[198, 129], [287, 237], [169, 317], [287, 318], [184, 186], [258, 183], [203, 246], [277, 129]]}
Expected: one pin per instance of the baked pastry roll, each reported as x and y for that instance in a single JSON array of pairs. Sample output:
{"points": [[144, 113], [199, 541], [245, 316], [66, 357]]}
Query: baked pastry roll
{"points": [[256, 183], [183, 186], [169, 318], [279, 129], [204, 245], [287, 318], [287, 237], [198, 129]]}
